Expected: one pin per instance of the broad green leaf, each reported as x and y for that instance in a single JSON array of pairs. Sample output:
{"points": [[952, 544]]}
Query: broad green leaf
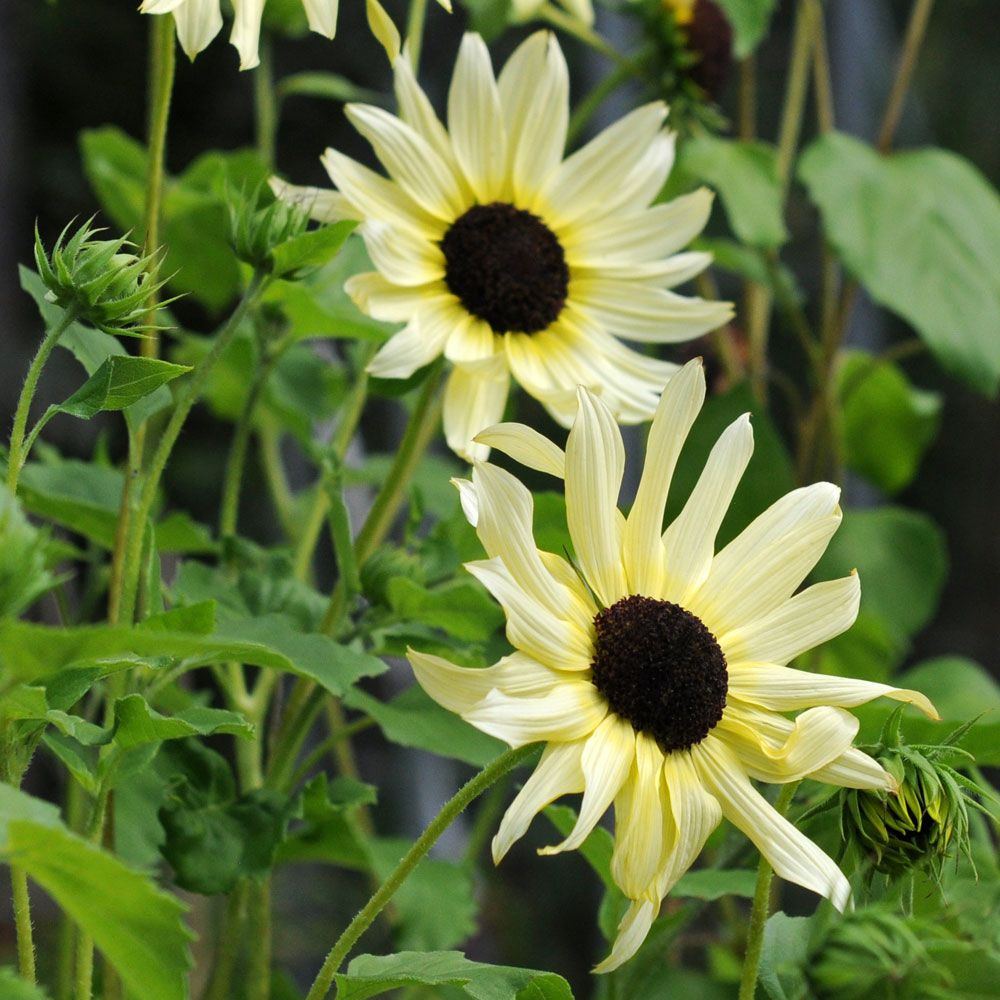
{"points": [[886, 424], [411, 719], [178, 533], [753, 263], [373, 975], [714, 883], [866, 651], [784, 957], [918, 230], [901, 558], [329, 86], [137, 723], [310, 250], [214, 837], [745, 174], [139, 928], [750, 20], [462, 608], [12, 987], [120, 381], [25, 558]]}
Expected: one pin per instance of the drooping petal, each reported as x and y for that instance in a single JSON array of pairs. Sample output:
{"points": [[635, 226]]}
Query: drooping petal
{"points": [[569, 711], [527, 446], [246, 30], [606, 762], [197, 23], [784, 689], [689, 542], [790, 853], [322, 16], [642, 547], [474, 398], [558, 773], [595, 463], [416, 110], [639, 821], [855, 769], [415, 345], [460, 689], [632, 932], [810, 617]]}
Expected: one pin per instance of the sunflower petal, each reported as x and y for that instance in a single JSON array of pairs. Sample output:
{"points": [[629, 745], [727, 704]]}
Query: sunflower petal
{"points": [[632, 932], [474, 398], [639, 820], [525, 445]]}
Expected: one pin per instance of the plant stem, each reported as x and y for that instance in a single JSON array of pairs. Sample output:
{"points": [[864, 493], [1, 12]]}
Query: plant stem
{"points": [[227, 947], [761, 908], [22, 922], [415, 31], [187, 397], [265, 106], [585, 110], [915, 31], [18, 454], [259, 929], [573, 26], [503, 764], [269, 454]]}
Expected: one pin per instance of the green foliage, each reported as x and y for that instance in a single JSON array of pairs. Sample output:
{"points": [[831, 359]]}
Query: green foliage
{"points": [[14, 988], [25, 559], [745, 174], [886, 423], [917, 229], [328, 86], [750, 20], [139, 928], [120, 381], [373, 975]]}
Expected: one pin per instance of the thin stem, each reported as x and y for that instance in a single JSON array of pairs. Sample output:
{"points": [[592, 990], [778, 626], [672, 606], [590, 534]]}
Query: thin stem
{"points": [[85, 942], [124, 525], [315, 755], [503, 764], [575, 27], [228, 945], [415, 31], [761, 908], [748, 99], [18, 453], [269, 454], [265, 105], [915, 31], [22, 923], [186, 400]]}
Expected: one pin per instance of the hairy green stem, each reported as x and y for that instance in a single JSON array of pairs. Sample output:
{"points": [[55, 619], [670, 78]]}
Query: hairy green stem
{"points": [[18, 454], [22, 923], [761, 908], [187, 397], [503, 764]]}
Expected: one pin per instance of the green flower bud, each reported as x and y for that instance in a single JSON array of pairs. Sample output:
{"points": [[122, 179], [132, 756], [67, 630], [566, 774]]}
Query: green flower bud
{"points": [[255, 232], [873, 953], [101, 281], [385, 564]]}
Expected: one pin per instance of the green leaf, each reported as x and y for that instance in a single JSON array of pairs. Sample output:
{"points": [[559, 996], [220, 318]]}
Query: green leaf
{"points": [[462, 608], [12, 987], [784, 956], [310, 250], [750, 20], [120, 381], [138, 927], [745, 174], [25, 558], [412, 719], [714, 883], [214, 837], [179, 534], [373, 975], [137, 723], [886, 424], [329, 86], [918, 230], [901, 558]]}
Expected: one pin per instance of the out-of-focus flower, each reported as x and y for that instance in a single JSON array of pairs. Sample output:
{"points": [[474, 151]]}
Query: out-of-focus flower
{"points": [[654, 669]]}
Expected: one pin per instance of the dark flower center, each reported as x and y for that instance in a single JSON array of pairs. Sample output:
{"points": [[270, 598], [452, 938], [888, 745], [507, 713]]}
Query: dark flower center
{"points": [[661, 669], [507, 267]]}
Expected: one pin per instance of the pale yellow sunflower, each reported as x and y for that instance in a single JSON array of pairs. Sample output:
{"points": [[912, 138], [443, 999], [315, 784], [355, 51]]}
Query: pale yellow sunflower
{"points": [[510, 260], [656, 670]]}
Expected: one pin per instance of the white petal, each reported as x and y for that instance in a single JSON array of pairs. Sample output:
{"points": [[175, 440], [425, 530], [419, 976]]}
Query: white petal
{"points": [[785, 689], [595, 463], [558, 773], [568, 712], [416, 110], [648, 314], [667, 273], [459, 689], [159, 6], [855, 769], [380, 298], [642, 548], [632, 932], [762, 567], [556, 642], [321, 204], [322, 16], [474, 398], [468, 498], [534, 95], [246, 30], [415, 345], [475, 120], [473, 342], [410, 160], [814, 739], [606, 762], [197, 23], [403, 257], [689, 542], [639, 816], [790, 853], [809, 618], [525, 445]]}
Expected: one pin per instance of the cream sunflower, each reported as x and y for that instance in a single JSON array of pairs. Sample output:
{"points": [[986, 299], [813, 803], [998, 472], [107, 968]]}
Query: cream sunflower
{"points": [[656, 670], [510, 260]]}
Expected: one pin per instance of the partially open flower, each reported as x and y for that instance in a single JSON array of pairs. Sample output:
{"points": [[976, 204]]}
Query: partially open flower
{"points": [[654, 669]]}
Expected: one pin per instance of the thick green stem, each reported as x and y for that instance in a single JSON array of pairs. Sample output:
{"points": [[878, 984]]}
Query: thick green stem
{"points": [[18, 454], [259, 928], [761, 909], [265, 104], [187, 397], [503, 764], [415, 31], [22, 923]]}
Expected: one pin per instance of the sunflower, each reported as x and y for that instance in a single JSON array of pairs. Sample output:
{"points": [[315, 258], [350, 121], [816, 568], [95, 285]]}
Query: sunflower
{"points": [[654, 669], [510, 260]]}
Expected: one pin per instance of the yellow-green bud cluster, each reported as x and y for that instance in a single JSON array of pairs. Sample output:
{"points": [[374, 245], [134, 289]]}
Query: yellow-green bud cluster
{"points": [[102, 282]]}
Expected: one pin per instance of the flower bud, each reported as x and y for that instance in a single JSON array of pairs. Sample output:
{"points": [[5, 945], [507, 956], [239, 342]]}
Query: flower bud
{"points": [[255, 232], [101, 281], [384, 564]]}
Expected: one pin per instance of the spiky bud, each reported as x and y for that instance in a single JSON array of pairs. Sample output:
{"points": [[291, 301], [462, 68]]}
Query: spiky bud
{"points": [[256, 231], [102, 282]]}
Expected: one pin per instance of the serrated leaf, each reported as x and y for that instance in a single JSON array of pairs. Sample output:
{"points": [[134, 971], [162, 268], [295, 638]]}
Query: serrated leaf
{"points": [[25, 558], [784, 956], [309, 251], [137, 723], [917, 229]]}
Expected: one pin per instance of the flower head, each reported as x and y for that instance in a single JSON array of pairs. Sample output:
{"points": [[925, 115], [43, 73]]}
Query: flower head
{"points": [[654, 669], [510, 260]]}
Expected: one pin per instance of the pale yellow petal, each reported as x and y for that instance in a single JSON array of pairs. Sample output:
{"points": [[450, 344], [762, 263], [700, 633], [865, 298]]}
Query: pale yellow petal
{"points": [[416, 345], [527, 446], [471, 342], [321, 204], [197, 23], [246, 30], [632, 932], [402, 256], [383, 300], [474, 398], [639, 818], [855, 769], [322, 16]]}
